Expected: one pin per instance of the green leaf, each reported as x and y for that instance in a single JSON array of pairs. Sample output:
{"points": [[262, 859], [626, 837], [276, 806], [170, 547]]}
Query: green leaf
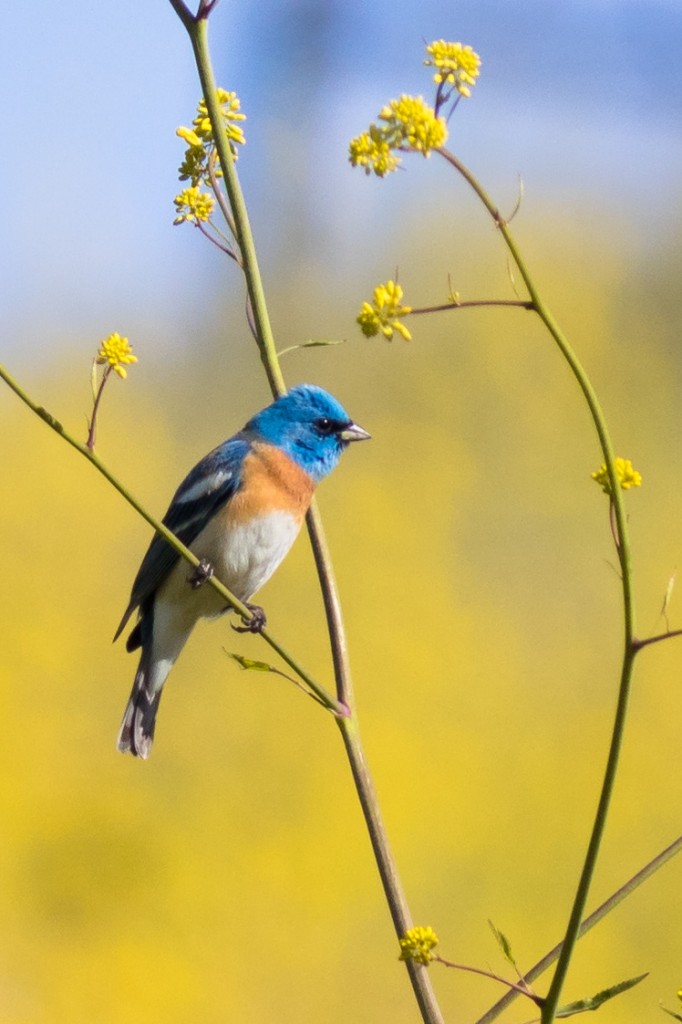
{"points": [[322, 342], [248, 664], [594, 1002], [319, 343], [504, 944]]}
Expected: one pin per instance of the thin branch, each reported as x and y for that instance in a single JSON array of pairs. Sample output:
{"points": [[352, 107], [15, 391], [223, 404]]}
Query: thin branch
{"points": [[624, 557], [520, 988], [575, 366], [594, 918], [258, 315], [332, 607], [263, 333], [400, 914], [669, 635], [198, 34], [183, 12], [470, 303], [205, 8], [221, 199], [92, 426], [225, 248], [518, 203]]}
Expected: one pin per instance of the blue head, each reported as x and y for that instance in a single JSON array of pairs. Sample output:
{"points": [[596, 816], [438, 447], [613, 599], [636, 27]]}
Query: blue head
{"points": [[310, 426]]}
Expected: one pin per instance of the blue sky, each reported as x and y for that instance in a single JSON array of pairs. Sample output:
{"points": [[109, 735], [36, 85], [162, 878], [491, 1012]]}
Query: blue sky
{"points": [[583, 98]]}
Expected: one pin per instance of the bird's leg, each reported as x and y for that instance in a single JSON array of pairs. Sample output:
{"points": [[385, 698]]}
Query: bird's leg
{"points": [[201, 574], [254, 624]]}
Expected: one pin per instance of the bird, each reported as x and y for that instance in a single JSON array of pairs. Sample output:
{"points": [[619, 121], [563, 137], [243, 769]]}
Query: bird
{"points": [[239, 511]]}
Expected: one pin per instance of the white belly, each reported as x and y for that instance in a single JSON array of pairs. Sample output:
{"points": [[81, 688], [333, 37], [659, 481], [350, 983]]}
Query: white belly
{"points": [[251, 553], [243, 558]]}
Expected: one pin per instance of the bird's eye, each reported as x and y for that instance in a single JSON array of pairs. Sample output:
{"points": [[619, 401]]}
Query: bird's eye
{"points": [[324, 425]]}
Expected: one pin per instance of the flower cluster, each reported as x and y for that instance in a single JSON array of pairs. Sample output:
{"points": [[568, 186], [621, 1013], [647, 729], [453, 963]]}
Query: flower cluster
{"points": [[627, 476], [230, 109], [417, 944], [455, 65], [411, 124], [383, 314], [116, 352], [408, 124], [372, 151], [193, 205], [199, 137]]}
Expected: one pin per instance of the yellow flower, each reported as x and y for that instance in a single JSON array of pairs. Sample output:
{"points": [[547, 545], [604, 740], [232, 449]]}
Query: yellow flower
{"points": [[371, 151], [412, 124], [189, 136], [194, 167], [193, 206], [455, 64], [383, 313], [417, 944], [409, 124], [627, 476], [231, 113], [116, 351], [199, 138]]}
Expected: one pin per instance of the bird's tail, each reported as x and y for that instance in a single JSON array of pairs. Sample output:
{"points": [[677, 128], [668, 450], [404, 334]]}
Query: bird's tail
{"points": [[136, 734]]}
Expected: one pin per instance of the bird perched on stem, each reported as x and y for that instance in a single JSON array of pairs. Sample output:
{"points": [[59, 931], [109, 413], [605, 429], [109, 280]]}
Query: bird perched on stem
{"points": [[239, 510]]}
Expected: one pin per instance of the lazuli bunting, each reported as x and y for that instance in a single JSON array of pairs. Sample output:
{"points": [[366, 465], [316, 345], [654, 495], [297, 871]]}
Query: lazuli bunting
{"points": [[239, 510]]}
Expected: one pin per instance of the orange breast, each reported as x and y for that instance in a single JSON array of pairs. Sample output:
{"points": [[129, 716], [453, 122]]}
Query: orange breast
{"points": [[271, 481]]}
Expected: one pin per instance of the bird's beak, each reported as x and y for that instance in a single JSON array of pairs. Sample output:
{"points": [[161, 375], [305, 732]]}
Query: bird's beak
{"points": [[353, 433]]}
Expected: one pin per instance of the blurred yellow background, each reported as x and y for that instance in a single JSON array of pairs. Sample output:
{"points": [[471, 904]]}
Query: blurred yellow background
{"points": [[230, 877]]}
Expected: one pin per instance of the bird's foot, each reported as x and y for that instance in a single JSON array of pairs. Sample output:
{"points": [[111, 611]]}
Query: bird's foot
{"points": [[201, 574], [255, 623]]}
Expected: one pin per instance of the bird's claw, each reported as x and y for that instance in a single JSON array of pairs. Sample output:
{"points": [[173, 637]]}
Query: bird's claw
{"points": [[201, 574], [255, 623]]}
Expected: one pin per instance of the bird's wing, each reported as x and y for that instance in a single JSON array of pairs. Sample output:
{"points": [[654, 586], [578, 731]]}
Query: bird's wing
{"points": [[206, 489]]}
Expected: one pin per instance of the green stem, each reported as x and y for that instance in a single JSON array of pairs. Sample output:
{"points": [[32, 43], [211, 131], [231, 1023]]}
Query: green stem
{"points": [[223, 204], [198, 34], [580, 900], [90, 443], [332, 606], [594, 918], [623, 550], [578, 372], [197, 29], [470, 304], [518, 988], [400, 914]]}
